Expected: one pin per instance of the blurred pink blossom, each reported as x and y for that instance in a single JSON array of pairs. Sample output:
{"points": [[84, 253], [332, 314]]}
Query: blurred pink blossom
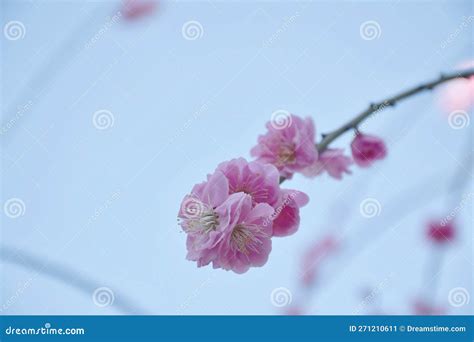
{"points": [[458, 94], [333, 161], [134, 9], [290, 147], [367, 148], [294, 310], [423, 307], [317, 253], [441, 232]]}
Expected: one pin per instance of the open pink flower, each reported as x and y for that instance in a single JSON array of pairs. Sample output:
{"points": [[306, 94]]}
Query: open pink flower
{"points": [[229, 219], [231, 236], [366, 149], [333, 161], [290, 147], [441, 232], [287, 212], [260, 181], [199, 218], [244, 241]]}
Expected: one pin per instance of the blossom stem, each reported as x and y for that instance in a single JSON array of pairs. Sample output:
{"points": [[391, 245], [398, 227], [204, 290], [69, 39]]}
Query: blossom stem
{"points": [[389, 102]]}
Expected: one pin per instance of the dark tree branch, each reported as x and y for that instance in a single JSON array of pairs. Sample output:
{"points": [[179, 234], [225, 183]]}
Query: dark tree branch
{"points": [[328, 138]]}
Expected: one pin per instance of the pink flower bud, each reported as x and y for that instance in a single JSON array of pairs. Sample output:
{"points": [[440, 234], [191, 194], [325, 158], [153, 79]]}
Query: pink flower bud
{"points": [[441, 232], [366, 149]]}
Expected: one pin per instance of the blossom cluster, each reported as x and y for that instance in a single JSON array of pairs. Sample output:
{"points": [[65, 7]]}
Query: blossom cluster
{"points": [[231, 218]]}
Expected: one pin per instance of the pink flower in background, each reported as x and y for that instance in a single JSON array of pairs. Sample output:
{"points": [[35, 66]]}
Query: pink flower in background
{"points": [[260, 181], [441, 232], [294, 311], [289, 144], [243, 241], [316, 254], [134, 9], [333, 161], [286, 220], [458, 94], [422, 307], [367, 148]]}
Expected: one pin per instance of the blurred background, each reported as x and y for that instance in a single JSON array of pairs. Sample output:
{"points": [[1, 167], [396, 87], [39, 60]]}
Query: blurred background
{"points": [[113, 110]]}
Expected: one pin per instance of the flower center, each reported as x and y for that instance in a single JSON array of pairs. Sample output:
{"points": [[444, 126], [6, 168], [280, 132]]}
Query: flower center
{"points": [[206, 223], [286, 154], [244, 240]]}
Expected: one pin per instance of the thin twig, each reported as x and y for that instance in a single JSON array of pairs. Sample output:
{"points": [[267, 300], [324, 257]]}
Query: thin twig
{"points": [[389, 102]]}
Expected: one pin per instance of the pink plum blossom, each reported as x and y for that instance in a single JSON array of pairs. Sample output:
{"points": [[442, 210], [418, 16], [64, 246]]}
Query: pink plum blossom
{"points": [[229, 218], [231, 236], [244, 240], [441, 232], [199, 218], [286, 219], [333, 161], [260, 181], [458, 94], [290, 147], [366, 149]]}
